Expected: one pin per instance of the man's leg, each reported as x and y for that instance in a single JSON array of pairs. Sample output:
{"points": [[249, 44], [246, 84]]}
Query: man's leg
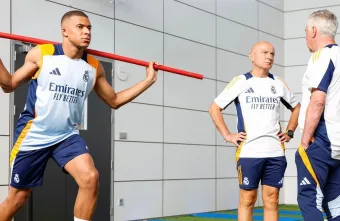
{"points": [[82, 169], [73, 156], [16, 198], [272, 180], [331, 202], [312, 172], [246, 204], [27, 171], [270, 197], [249, 173]]}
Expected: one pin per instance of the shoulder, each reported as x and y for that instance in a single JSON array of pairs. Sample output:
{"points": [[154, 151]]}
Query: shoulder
{"points": [[278, 79], [324, 55], [46, 49], [91, 60]]}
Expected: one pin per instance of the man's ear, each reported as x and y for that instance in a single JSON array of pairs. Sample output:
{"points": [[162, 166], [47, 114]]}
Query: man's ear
{"points": [[314, 31], [251, 56], [64, 32]]}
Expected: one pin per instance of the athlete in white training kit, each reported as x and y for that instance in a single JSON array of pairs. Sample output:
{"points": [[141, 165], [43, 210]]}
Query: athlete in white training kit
{"points": [[62, 76], [318, 157], [260, 155]]}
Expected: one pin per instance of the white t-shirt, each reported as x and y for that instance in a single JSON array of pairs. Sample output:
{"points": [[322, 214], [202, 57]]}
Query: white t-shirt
{"points": [[323, 73], [258, 103]]}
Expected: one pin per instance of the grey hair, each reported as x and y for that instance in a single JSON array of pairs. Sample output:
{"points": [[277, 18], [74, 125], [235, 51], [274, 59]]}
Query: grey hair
{"points": [[325, 21]]}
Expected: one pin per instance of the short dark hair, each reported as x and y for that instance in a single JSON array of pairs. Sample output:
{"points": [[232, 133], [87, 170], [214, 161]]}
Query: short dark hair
{"points": [[73, 13]]}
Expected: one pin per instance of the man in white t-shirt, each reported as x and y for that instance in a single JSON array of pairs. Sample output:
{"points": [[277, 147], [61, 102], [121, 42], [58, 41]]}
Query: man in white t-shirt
{"points": [[260, 154], [318, 156]]}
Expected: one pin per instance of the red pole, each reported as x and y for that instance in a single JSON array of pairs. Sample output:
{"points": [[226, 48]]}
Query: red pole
{"points": [[106, 55]]}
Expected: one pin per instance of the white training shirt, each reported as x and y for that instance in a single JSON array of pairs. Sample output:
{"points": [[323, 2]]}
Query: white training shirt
{"points": [[323, 73], [55, 99], [257, 103]]}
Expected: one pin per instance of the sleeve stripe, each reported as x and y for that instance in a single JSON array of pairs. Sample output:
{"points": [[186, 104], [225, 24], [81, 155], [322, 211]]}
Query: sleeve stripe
{"points": [[327, 78], [288, 106]]}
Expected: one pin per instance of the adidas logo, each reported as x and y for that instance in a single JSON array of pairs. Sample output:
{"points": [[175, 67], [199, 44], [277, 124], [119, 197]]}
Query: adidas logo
{"points": [[55, 72], [281, 181], [250, 90], [305, 181]]}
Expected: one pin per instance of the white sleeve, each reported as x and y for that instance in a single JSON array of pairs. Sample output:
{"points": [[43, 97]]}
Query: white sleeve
{"points": [[288, 99], [321, 73], [233, 89]]}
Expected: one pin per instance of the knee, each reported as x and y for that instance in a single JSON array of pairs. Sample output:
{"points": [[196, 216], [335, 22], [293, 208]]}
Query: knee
{"points": [[271, 199], [18, 199], [90, 179], [248, 200]]}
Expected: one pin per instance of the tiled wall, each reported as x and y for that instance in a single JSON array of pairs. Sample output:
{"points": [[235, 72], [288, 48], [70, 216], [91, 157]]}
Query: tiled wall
{"points": [[174, 162]]}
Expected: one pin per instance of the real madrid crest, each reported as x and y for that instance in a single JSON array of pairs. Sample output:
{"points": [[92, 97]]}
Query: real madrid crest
{"points": [[86, 76], [273, 90]]}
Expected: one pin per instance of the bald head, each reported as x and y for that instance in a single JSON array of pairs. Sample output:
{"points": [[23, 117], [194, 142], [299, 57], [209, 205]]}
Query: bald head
{"points": [[261, 45], [262, 55]]}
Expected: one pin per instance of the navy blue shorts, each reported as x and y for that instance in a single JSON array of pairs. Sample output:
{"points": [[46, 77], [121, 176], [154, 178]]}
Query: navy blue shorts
{"points": [[270, 171], [28, 167]]}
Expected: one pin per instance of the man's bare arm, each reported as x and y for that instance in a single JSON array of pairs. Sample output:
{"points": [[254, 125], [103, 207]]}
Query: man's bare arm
{"points": [[10, 82], [313, 115], [116, 100], [217, 117], [293, 121]]}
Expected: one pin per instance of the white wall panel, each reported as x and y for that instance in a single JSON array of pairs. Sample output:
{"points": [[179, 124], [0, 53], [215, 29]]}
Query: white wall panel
{"points": [[207, 5], [186, 126], [141, 122], [226, 163], [236, 11], [141, 200], [296, 52], [227, 194], [279, 4], [138, 161], [182, 24], [190, 56], [240, 41], [230, 65], [290, 190], [128, 43], [177, 93], [189, 161], [147, 13], [290, 5], [191, 196], [293, 77], [100, 7], [267, 23]]}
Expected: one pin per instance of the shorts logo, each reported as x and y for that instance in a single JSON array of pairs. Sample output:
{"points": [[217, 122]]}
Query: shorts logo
{"points": [[281, 181], [16, 178], [86, 76], [246, 181]]}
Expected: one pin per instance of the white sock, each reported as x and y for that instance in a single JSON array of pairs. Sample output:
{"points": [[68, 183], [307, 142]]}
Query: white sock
{"points": [[76, 219]]}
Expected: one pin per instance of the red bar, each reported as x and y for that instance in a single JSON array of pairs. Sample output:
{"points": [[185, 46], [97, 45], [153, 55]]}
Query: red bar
{"points": [[106, 55]]}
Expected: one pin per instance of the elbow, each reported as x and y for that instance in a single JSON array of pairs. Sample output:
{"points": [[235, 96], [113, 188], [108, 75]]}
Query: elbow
{"points": [[6, 89]]}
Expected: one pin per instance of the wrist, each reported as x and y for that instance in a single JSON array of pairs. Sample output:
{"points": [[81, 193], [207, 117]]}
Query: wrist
{"points": [[290, 133]]}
